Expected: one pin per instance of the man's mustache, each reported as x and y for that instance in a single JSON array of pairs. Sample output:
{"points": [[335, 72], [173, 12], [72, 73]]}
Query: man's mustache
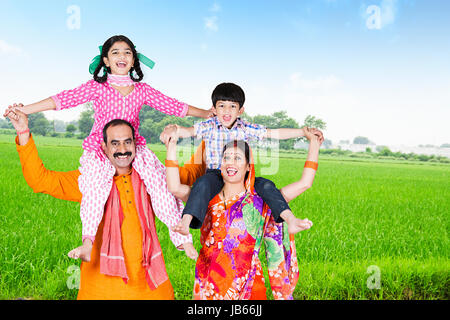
{"points": [[118, 154]]}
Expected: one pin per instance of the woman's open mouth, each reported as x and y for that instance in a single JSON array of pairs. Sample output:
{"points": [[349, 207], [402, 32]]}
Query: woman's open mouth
{"points": [[231, 172]]}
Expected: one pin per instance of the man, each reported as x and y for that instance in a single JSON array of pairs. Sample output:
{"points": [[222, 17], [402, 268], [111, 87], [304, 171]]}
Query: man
{"points": [[141, 276]]}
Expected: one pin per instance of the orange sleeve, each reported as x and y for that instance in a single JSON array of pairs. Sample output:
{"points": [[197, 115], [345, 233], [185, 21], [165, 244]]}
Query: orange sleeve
{"points": [[61, 185], [194, 168]]}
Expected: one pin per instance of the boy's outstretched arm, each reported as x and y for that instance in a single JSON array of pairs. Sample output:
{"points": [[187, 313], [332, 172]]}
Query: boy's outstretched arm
{"points": [[289, 133]]}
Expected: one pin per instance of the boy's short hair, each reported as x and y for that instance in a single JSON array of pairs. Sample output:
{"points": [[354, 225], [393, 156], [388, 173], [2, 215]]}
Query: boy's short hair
{"points": [[228, 92]]}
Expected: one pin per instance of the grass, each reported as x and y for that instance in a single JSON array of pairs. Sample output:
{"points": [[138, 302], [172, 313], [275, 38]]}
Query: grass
{"points": [[386, 214]]}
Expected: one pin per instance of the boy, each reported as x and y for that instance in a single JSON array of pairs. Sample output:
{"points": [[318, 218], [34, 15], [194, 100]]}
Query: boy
{"points": [[228, 104]]}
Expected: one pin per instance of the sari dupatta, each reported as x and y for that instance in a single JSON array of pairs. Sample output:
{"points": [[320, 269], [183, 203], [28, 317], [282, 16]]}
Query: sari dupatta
{"points": [[279, 245]]}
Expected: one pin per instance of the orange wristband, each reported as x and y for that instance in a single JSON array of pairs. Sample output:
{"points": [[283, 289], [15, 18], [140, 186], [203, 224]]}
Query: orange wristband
{"points": [[311, 164], [171, 163]]}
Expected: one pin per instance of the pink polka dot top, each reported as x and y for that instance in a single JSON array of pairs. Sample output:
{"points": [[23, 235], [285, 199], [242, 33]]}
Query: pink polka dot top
{"points": [[110, 104]]}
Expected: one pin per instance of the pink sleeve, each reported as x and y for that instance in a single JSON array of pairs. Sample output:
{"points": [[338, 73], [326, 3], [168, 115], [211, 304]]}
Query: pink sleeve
{"points": [[74, 97], [165, 104]]}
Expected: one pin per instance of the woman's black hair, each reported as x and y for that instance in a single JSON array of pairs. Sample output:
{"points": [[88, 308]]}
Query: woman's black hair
{"points": [[243, 146], [228, 92], [106, 46]]}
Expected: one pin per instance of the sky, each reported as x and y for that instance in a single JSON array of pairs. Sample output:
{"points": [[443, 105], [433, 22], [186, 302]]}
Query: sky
{"points": [[373, 68]]}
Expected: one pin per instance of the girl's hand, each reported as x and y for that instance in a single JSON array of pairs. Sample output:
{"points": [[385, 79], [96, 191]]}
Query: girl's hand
{"points": [[18, 119], [212, 113]]}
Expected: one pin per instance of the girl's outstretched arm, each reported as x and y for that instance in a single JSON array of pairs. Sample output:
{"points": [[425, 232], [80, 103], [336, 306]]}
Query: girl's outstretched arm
{"points": [[293, 190], [179, 190], [44, 105], [199, 113]]}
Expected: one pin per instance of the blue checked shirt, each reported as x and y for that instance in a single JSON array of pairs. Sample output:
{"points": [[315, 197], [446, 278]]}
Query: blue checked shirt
{"points": [[216, 136]]}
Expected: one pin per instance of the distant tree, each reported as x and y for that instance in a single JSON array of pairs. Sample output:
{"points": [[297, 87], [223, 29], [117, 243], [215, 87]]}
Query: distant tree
{"points": [[71, 128], [313, 122], [5, 124], [327, 144], [445, 145], [86, 121], [385, 151], [59, 125], [361, 140], [39, 124], [368, 150]]}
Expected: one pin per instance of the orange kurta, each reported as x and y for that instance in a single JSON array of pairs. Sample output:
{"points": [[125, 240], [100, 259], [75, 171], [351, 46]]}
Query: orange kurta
{"points": [[93, 284]]}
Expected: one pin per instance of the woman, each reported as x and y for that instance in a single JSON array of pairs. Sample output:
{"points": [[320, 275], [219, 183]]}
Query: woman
{"points": [[237, 221]]}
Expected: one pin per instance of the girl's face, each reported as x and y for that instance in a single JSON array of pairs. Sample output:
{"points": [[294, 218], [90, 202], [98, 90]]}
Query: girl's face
{"points": [[234, 166], [120, 58]]}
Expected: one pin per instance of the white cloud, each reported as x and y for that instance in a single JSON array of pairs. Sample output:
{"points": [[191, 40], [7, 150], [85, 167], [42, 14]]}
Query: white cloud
{"points": [[8, 49], [215, 7], [211, 23], [388, 12]]}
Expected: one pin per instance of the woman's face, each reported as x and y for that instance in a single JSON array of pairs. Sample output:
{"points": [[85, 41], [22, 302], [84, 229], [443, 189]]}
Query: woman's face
{"points": [[120, 58], [234, 166]]}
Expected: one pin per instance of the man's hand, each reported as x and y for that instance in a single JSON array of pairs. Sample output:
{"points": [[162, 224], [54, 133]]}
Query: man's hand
{"points": [[169, 134], [18, 119]]}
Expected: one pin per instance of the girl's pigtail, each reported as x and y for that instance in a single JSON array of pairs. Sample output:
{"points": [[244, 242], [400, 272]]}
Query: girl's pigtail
{"points": [[137, 68]]}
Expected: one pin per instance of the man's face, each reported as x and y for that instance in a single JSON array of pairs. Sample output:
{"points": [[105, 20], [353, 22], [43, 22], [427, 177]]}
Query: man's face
{"points": [[120, 147], [227, 112]]}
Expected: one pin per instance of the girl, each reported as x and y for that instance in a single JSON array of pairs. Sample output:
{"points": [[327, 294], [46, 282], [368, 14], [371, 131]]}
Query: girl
{"points": [[118, 94]]}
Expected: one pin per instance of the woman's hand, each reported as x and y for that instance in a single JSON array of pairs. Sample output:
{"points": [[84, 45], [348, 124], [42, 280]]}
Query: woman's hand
{"points": [[312, 135]]}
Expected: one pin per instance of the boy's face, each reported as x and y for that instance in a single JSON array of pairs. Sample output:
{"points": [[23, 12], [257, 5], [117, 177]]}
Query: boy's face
{"points": [[227, 112]]}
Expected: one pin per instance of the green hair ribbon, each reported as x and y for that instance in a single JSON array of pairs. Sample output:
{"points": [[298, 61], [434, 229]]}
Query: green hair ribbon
{"points": [[96, 61]]}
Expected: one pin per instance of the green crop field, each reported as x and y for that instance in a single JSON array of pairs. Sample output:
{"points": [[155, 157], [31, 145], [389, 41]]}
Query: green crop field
{"points": [[380, 229]]}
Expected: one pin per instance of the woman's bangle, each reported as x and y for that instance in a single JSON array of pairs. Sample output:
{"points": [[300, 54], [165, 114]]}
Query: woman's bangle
{"points": [[24, 131], [171, 163], [312, 165]]}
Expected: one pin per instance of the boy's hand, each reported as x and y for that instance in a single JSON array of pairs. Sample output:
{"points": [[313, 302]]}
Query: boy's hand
{"points": [[190, 250], [170, 133], [318, 133], [310, 132], [312, 135]]}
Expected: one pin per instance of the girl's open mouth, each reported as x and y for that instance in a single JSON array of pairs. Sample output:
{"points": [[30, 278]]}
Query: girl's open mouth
{"points": [[121, 64]]}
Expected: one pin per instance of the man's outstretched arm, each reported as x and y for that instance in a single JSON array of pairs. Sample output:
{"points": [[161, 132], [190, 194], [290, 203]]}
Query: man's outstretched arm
{"points": [[61, 185]]}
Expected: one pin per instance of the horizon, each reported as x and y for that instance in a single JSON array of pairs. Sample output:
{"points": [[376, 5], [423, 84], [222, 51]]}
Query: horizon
{"points": [[377, 69]]}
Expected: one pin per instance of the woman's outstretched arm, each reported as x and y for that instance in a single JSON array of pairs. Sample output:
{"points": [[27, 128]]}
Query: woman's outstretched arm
{"points": [[293, 190], [174, 185]]}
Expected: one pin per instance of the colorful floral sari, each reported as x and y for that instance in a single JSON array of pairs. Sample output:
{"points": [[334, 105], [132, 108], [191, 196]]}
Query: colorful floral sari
{"points": [[228, 265]]}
